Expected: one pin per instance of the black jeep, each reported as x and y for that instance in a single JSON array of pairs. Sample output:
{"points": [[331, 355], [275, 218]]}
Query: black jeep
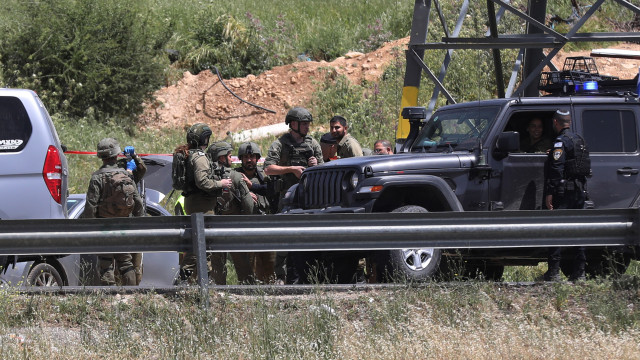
{"points": [[467, 157]]}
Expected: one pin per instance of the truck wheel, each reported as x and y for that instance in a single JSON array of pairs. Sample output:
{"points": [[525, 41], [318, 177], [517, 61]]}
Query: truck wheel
{"points": [[44, 275], [414, 264]]}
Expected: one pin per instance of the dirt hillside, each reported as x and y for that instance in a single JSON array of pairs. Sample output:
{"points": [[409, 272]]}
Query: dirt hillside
{"points": [[202, 98]]}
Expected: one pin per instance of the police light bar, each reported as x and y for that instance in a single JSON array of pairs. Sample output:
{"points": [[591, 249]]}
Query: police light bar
{"points": [[587, 86]]}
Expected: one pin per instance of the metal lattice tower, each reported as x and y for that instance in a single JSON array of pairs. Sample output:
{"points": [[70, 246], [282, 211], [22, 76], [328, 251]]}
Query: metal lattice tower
{"points": [[530, 58]]}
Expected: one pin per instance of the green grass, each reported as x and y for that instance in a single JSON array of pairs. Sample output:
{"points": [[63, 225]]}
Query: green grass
{"points": [[465, 320]]}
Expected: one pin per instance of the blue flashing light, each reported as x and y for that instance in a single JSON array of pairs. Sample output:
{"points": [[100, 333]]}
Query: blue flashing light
{"points": [[587, 86]]}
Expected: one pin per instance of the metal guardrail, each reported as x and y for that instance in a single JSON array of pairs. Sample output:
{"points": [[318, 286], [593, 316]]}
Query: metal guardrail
{"points": [[201, 234]]}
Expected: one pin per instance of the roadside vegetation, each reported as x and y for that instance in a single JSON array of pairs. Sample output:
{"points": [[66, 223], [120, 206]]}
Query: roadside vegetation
{"points": [[473, 320], [94, 63]]}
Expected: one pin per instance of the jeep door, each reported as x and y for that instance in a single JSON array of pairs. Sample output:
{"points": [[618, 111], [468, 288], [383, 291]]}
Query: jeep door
{"points": [[517, 179], [611, 134]]}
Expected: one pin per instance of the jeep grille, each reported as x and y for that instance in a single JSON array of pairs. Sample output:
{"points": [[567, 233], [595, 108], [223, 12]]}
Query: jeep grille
{"points": [[323, 188]]}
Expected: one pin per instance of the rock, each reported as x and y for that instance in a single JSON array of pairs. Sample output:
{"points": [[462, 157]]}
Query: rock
{"points": [[293, 80], [353, 54], [198, 107]]}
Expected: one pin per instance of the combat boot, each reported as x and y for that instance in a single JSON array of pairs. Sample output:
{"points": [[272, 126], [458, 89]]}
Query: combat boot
{"points": [[129, 277], [553, 273], [578, 273]]}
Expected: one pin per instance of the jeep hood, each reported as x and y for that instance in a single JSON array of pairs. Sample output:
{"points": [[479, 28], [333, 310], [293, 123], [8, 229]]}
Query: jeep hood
{"points": [[405, 162]]}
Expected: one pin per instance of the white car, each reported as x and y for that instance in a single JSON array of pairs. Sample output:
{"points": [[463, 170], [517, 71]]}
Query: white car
{"points": [[159, 269]]}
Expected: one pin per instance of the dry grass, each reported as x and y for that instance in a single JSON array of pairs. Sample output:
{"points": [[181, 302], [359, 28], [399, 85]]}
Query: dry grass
{"points": [[478, 320]]}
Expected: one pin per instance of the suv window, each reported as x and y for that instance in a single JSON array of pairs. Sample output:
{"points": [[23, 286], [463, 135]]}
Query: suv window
{"points": [[15, 125], [455, 129], [610, 131]]}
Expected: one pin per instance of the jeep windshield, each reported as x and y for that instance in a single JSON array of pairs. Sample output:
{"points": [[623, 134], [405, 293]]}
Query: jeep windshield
{"points": [[455, 129]]}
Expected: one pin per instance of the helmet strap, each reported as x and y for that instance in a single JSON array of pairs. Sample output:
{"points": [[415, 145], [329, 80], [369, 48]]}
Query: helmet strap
{"points": [[296, 131]]}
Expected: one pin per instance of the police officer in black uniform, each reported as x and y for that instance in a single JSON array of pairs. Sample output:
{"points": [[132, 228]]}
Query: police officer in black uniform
{"points": [[566, 169]]}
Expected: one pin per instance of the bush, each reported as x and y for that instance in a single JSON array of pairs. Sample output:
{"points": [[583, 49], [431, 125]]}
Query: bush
{"points": [[82, 57]]}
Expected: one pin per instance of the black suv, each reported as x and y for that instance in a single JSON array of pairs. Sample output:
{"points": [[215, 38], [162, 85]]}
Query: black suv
{"points": [[466, 157]]}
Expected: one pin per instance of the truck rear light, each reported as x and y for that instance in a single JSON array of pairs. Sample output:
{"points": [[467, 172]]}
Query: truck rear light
{"points": [[52, 173]]}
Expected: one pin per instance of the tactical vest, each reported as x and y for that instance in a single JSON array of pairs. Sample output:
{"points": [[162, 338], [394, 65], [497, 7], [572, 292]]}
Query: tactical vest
{"points": [[190, 182], [294, 154], [224, 200], [578, 164]]}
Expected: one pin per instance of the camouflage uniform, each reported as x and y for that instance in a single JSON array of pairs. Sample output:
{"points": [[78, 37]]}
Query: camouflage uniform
{"points": [[202, 189], [349, 147], [262, 262], [286, 151], [138, 174], [108, 149], [234, 201]]}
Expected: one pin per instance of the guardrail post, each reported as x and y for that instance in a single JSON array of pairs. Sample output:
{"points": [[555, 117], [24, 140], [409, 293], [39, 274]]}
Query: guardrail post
{"points": [[200, 250]]}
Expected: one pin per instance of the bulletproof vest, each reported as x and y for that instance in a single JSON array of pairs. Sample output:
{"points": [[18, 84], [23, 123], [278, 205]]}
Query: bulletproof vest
{"points": [[578, 164], [224, 201], [262, 205], [294, 154], [190, 181]]}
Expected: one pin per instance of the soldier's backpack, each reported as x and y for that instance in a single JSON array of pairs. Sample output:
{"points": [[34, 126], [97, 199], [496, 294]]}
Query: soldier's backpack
{"points": [[117, 199], [179, 171]]}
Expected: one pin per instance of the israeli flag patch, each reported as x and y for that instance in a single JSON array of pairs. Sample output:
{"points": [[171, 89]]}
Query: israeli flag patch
{"points": [[558, 144]]}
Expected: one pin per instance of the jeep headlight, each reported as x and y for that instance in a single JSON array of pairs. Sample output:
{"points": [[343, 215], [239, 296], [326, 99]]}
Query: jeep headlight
{"points": [[350, 182]]}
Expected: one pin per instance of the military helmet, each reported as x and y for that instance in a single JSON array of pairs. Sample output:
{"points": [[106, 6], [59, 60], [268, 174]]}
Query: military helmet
{"points": [[298, 114], [249, 148], [218, 149], [198, 135], [108, 147]]}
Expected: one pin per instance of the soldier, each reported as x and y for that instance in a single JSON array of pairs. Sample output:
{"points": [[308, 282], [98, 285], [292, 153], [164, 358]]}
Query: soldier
{"points": [[134, 164], [112, 193], [348, 146], [235, 200], [288, 156], [201, 189], [567, 166], [258, 183]]}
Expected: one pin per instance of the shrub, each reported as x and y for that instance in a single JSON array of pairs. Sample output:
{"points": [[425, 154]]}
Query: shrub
{"points": [[82, 57]]}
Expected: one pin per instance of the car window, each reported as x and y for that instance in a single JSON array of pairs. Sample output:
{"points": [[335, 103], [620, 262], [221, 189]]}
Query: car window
{"points": [[455, 129], [610, 131], [15, 125]]}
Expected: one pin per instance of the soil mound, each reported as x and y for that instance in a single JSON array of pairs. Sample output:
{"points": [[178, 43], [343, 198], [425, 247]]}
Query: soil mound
{"points": [[203, 98]]}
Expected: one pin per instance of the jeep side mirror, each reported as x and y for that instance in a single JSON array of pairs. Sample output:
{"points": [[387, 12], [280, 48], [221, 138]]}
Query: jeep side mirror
{"points": [[508, 141]]}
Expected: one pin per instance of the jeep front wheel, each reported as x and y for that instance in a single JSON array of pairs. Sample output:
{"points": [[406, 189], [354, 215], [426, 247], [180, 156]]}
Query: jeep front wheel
{"points": [[414, 264]]}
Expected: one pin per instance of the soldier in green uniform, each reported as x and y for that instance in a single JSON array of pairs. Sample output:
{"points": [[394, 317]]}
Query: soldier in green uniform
{"points": [[202, 189], [348, 146], [134, 164], [258, 183], [235, 200], [99, 205], [287, 158]]}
